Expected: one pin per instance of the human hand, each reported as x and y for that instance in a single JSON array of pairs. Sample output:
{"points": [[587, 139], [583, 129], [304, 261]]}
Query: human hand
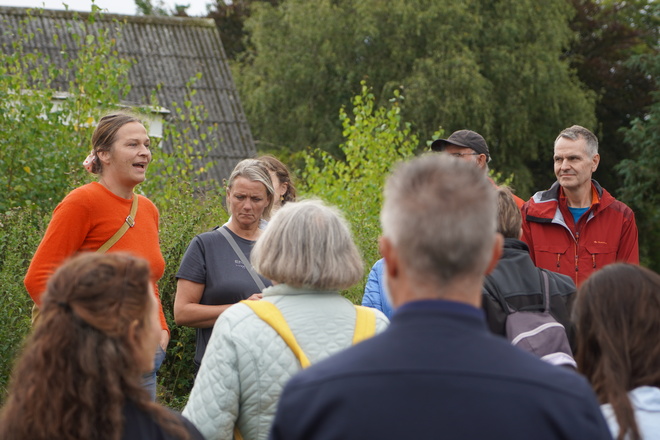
{"points": [[164, 339], [255, 297]]}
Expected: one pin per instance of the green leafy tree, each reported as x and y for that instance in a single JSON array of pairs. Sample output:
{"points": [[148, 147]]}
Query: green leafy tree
{"points": [[230, 17], [375, 139], [187, 159], [640, 172], [46, 132], [609, 34], [494, 67], [149, 7]]}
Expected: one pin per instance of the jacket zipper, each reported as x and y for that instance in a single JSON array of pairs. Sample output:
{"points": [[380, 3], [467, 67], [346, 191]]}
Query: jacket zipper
{"points": [[577, 239]]}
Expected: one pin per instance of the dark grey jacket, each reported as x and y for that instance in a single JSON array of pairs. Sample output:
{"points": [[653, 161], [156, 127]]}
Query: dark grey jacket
{"points": [[519, 282]]}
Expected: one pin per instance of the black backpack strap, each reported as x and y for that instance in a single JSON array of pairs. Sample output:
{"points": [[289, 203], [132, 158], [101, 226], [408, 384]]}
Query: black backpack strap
{"points": [[546, 291], [492, 288]]}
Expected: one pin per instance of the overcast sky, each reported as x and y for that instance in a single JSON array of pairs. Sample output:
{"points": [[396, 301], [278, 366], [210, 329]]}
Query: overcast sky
{"points": [[127, 7]]}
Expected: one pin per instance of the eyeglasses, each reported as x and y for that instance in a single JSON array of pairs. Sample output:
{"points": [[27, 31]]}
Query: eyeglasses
{"points": [[459, 155]]}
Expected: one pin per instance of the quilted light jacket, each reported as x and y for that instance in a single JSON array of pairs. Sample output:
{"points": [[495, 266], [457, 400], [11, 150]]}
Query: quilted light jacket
{"points": [[247, 364]]}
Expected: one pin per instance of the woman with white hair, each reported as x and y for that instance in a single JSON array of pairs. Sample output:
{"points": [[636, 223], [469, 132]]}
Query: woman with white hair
{"points": [[308, 252]]}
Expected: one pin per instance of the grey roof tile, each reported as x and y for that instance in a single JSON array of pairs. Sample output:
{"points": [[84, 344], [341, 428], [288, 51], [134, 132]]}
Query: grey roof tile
{"points": [[166, 51]]}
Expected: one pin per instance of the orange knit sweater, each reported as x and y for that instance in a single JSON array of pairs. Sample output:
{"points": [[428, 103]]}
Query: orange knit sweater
{"points": [[86, 218]]}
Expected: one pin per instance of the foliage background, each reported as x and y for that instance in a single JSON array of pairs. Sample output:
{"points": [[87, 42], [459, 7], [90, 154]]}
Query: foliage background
{"points": [[495, 67]]}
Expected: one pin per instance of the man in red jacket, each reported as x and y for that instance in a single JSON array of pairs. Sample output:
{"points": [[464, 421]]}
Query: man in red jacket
{"points": [[577, 227]]}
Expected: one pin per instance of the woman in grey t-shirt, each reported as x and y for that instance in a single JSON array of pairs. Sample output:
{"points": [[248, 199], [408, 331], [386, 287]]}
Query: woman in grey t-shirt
{"points": [[212, 277]]}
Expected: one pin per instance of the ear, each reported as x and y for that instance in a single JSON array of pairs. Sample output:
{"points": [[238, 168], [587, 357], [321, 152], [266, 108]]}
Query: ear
{"points": [[284, 187], [481, 161], [104, 156], [133, 333], [497, 253], [389, 254], [596, 161]]}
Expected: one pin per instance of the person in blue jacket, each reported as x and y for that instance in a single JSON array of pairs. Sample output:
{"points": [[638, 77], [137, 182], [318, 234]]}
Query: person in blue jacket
{"points": [[375, 291]]}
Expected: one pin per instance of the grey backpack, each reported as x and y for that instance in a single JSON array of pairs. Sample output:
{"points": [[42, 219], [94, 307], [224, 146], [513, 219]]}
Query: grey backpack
{"points": [[537, 332]]}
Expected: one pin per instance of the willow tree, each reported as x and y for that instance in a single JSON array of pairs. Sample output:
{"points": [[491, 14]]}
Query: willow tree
{"points": [[494, 67]]}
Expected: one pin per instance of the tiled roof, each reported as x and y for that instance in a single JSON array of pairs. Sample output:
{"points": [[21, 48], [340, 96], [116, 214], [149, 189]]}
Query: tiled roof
{"points": [[165, 51]]}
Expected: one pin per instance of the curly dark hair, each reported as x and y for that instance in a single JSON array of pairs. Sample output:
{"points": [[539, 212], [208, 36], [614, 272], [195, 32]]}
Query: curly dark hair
{"points": [[78, 369]]}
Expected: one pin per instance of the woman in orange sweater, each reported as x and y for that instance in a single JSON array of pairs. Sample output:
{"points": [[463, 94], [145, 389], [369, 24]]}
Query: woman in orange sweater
{"points": [[90, 215]]}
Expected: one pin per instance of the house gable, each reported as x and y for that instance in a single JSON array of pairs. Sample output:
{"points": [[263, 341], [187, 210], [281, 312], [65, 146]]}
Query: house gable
{"points": [[166, 52]]}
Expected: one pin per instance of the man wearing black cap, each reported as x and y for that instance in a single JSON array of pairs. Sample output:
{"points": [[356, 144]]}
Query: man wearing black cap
{"points": [[471, 146], [467, 145]]}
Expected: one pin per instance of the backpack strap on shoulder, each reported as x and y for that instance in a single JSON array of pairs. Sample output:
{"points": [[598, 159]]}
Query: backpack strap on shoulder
{"points": [[493, 290], [546, 290], [270, 314], [365, 324], [365, 327]]}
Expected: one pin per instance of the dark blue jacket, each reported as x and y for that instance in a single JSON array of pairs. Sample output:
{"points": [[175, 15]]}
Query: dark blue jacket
{"points": [[437, 372]]}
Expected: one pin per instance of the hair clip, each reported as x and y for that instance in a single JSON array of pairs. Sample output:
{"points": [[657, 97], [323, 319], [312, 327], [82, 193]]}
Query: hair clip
{"points": [[89, 161]]}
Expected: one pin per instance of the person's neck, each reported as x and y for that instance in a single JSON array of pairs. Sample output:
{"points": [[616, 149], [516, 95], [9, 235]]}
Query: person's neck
{"points": [[116, 188], [467, 291], [579, 197], [251, 232], [274, 209]]}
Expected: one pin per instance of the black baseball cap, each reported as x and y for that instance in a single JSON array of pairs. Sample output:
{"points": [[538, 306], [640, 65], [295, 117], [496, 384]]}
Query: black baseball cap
{"points": [[463, 138]]}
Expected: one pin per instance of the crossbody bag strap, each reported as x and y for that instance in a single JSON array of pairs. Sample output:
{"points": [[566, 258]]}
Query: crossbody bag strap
{"points": [[241, 255], [128, 223]]}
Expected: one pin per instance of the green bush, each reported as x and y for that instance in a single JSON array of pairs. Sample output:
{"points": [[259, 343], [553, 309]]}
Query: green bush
{"points": [[43, 142], [20, 232], [376, 139], [182, 219]]}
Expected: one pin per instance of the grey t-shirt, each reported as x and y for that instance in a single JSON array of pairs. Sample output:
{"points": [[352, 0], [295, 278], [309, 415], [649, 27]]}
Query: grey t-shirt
{"points": [[211, 261]]}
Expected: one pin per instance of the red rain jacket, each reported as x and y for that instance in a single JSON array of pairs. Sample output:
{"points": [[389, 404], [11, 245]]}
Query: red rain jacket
{"points": [[606, 233]]}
